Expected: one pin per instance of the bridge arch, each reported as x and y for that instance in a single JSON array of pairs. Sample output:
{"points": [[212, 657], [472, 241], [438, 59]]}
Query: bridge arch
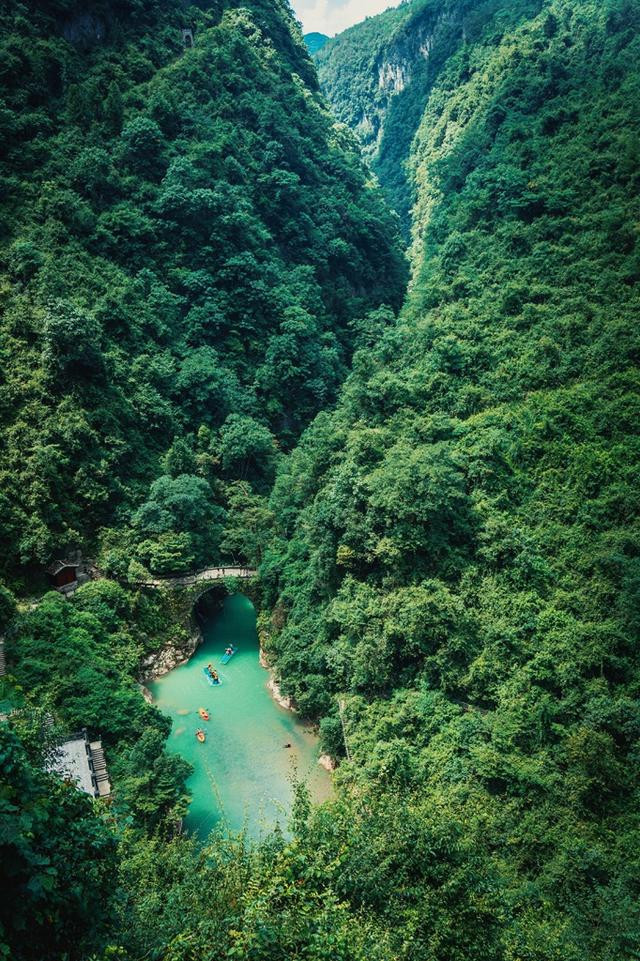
{"points": [[203, 577], [189, 590]]}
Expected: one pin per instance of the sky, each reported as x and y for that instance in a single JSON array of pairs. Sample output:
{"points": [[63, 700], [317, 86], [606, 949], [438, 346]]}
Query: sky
{"points": [[333, 16]]}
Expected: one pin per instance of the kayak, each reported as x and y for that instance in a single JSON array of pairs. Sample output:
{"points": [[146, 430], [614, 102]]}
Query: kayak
{"points": [[227, 657], [202, 737], [209, 678], [204, 714]]}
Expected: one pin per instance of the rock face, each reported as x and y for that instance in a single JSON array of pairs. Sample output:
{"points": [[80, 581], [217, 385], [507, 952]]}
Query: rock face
{"points": [[273, 687], [170, 656], [381, 96], [399, 63], [393, 77], [363, 97], [287, 702], [327, 762]]}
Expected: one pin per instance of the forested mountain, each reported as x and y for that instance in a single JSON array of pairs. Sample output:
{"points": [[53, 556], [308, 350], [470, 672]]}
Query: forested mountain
{"points": [[448, 542], [456, 582], [188, 249], [379, 74], [315, 41]]}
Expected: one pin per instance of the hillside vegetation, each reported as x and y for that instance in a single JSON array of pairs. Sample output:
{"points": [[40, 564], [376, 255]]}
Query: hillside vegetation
{"points": [[188, 248], [378, 75], [456, 578], [315, 41], [448, 540]]}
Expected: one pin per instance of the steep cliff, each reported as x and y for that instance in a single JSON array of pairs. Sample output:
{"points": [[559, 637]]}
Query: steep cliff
{"points": [[378, 74]]}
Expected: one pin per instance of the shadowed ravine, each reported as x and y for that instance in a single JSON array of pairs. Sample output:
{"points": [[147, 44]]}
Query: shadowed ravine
{"points": [[242, 773]]}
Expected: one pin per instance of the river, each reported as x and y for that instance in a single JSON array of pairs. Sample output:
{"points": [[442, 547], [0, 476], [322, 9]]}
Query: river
{"points": [[242, 773]]}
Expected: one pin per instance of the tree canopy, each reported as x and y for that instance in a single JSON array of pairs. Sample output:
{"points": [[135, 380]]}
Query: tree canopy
{"points": [[193, 256], [187, 238]]}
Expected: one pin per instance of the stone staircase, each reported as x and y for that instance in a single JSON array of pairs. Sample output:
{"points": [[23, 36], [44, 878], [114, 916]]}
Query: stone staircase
{"points": [[99, 765]]}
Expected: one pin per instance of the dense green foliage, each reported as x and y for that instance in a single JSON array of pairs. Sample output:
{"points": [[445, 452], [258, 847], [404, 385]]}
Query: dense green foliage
{"points": [[186, 240], [450, 558], [274, 901], [315, 41], [56, 863], [379, 74], [459, 543], [189, 252], [79, 660]]}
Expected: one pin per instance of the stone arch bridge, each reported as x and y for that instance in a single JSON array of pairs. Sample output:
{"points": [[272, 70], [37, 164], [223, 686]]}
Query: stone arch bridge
{"points": [[189, 588], [183, 594], [186, 588], [199, 577]]}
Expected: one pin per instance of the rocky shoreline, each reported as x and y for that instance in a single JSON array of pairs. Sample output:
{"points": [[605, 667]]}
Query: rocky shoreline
{"points": [[327, 762], [277, 695], [273, 687], [168, 657], [288, 703]]}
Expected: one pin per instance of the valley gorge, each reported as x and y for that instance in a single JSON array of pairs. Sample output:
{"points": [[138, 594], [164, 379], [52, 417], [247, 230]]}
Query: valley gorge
{"points": [[362, 317]]}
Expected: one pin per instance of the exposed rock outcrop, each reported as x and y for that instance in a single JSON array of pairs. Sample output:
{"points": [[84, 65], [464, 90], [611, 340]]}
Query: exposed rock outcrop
{"points": [[399, 63], [274, 688], [380, 96], [287, 702], [85, 30], [171, 655], [327, 762]]}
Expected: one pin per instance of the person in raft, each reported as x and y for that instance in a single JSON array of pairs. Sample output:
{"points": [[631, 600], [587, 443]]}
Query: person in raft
{"points": [[229, 651], [213, 674]]}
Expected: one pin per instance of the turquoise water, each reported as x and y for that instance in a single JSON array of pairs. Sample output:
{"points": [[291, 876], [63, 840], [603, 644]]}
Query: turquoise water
{"points": [[242, 773]]}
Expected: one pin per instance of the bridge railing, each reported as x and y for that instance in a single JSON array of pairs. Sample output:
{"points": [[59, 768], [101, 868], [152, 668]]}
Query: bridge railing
{"points": [[206, 574]]}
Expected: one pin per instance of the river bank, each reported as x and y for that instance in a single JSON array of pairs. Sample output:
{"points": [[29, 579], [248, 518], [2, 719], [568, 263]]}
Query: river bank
{"points": [[256, 746], [170, 656]]}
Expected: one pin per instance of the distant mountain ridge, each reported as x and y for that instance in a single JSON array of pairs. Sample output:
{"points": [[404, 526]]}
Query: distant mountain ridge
{"points": [[315, 41], [378, 74]]}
